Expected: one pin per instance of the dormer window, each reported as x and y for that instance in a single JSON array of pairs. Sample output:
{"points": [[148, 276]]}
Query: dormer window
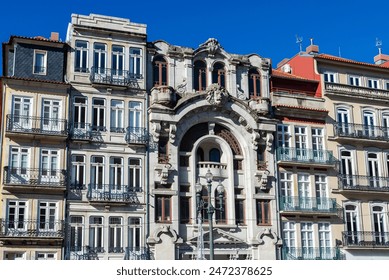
{"points": [[219, 74], [200, 75], [40, 62], [160, 71], [254, 83]]}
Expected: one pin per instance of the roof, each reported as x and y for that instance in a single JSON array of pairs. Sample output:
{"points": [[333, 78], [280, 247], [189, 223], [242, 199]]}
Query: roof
{"points": [[35, 80], [345, 60], [300, 108], [36, 38], [281, 74]]}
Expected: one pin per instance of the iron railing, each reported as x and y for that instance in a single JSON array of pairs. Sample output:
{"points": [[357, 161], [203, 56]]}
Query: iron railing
{"points": [[136, 135], [137, 253], [363, 183], [34, 176], [311, 253], [32, 228], [309, 204], [361, 131], [306, 156], [84, 252], [36, 125], [113, 193], [366, 239], [80, 131], [113, 76], [356, 91]]}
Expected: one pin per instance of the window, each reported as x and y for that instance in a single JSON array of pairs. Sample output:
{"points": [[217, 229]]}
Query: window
{"points": [[373, 83], [21, 113], [98, 114], [200, 75], [16, 215], [283, 136], [385, 125], [117, 60], [81, 57], [322, 192], [134, 234], [135, 63], [115, 235], [80, 108], [76, 233], [300, 134], [354, 80], [352, 225], [289, 237], [19, 171], [379, 225], [99, 58], [263, 212], [51, 112], [15, 255], [325, 246], [304, 191], [134, 174], [239, 212], [318, 144], [78, 172], [330, 77], [163, 209], [346, 167], [48, 216], [96, 241], [160, 71], [343, 125], [219, 74], [49, 166], [220, 207], [214, 155], [46, 256], [373, 170], [97, 171], [116, 172], [254, 83], [286, 184], [307, 240], [40, 62], [117, 109], [185, 210], [369, 124]]}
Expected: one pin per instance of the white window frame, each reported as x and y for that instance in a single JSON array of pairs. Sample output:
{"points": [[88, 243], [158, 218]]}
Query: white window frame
{"points": [[46, 256], [134, 174], [307, 240], [84, 54], [96, 233], [117, 56], [78, 171], [24, 117], [117, 116], [44, 66], [136, 61], [354, 80], [17, 205], [330, 77], [98, 114], [101, 56], [115, 234], [116, 173], [48, 218], [76, 233], [373, 83], [135, 240], [97, 172]]}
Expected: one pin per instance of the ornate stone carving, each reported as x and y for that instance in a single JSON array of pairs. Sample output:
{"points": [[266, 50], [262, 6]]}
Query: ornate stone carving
{"points": [[172, 133], [164, 174], [269, 141], [269, 233], [240, 93], [211, 45], [181, 88], [164, 229], [255, 138], [264, 181], [216, 95], [156, 131], [163, 95]]}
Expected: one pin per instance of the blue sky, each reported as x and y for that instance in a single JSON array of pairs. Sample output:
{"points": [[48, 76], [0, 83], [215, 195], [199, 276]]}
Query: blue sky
{"points": [[268, 28]]}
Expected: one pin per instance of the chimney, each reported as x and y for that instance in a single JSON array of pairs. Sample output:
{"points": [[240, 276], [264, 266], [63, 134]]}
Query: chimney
{"points": [[312, 49], [54, 36], [381, 58]]}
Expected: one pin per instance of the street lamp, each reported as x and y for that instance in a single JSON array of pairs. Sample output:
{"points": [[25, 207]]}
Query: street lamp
{"points": [[207, 205]]}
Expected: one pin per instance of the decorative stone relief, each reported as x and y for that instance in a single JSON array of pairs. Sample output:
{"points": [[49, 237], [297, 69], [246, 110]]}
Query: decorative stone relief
{"points": [[211, 45], [269, 233], [156, 131], [172, 133], [255, 138], [181, 88], [264, 181], [216, 95], [163, 95], [240, 93], [164, 229], [269, 141], [164, 173]]}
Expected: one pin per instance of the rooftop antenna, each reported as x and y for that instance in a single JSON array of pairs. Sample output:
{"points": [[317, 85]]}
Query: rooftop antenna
{"points": [[378, 44], [299, 41]]}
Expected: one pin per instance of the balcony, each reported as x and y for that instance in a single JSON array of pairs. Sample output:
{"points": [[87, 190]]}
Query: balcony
{"points": [[363, 183], [81, 132], [355, 91], [35, 177], [112, 193], [313, 205], [218, 170], [31, 229], [361, 131], [137, 253], [311, 253], [26, 125], [366, 239], [136, 135], [305, 156], [115, 77], [84, 253]]}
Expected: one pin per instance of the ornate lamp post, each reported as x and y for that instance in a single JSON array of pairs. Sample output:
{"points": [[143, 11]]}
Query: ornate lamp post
{"points": [[201, 204]]}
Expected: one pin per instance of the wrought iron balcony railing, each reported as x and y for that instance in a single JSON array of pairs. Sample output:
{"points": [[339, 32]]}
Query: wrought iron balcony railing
{"points": [[32, 228], [363, 183], [137, 253], [34, 177], [356, 91], [36, 125], [113, 76], [309, 204], [311, 253], [136, 135], [361, 131], [113, 193], [81, 131], [83, 252], [306, 156], [366, 239]]}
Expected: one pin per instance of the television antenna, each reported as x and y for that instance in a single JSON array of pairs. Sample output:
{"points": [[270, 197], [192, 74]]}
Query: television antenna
{"points": [[378, 44], [299, 41]]}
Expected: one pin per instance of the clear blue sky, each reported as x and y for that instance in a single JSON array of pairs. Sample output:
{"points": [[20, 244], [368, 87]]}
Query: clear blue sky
{"points": [[268, 28]]}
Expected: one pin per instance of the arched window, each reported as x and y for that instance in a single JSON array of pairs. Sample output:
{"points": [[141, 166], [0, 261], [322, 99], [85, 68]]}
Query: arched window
{"points": [[200, 75], [214, 155], [219, 74], [200, 154], [254, 83], [352, 224], [160, 71]]}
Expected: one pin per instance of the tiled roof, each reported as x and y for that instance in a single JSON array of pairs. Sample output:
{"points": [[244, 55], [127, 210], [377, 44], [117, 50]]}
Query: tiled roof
{"points": [[35, 80], [300, 107], [281, 74], [345, 60], [37, 38]]}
